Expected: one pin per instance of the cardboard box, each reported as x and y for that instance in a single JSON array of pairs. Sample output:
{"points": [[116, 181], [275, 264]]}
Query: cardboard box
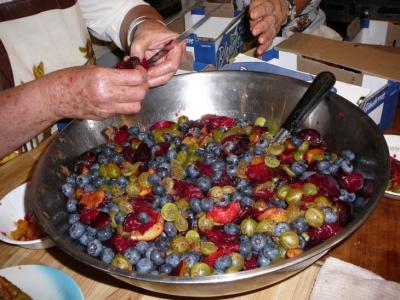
{"points": [[367, 75], [374, 32], [219, 39]]}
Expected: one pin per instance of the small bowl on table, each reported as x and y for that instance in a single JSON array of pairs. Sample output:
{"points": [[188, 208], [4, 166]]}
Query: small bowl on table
{"points": [[14, 207]]}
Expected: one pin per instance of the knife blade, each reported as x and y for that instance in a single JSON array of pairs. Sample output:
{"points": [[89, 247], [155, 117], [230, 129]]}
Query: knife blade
{"points": [[163, 52]]}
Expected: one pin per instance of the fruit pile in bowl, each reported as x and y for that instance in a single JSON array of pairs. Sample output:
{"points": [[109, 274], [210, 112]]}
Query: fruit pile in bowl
{"points": [[209, 196], [156, 204]]}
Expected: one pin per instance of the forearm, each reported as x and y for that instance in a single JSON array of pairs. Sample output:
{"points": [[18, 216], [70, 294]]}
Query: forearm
{"points": [[25, 112]]}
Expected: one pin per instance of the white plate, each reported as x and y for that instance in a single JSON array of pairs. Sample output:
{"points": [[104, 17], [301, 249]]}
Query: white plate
{"points": [[393, 142], [43, 282], [13, 207]]}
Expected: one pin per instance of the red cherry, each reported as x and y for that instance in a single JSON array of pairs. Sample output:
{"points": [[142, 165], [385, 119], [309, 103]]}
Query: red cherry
{"points": [[121, 135], [88, 215], [225, 214], [162, 124], [102, 220], [327, 185], [250, 263], [132, 223], [258, 173], [324, 232], [352, 182]]}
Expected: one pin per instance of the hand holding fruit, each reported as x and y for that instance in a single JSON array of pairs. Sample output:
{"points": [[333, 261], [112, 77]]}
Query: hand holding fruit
{"points": [[150, 38]]}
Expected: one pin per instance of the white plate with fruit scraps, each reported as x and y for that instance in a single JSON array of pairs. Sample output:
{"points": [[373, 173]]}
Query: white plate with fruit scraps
{"points": [[393, 142], [13, 207], [43, 282]]}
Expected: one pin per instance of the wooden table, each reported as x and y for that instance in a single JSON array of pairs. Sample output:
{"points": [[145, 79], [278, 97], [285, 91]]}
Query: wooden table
{"points": [[374, 246]]}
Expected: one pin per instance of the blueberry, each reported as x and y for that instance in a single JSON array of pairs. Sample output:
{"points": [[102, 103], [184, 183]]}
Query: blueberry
{"points": [[242, 183], [119, 218], [278, 203], [104, 234], [236, 196], [141, 136], [97, 182], [330, 216], [262, 261], [305, 175], [204, 183], [134, 130], [149, 250], [300, 225], [162, 172], [76, 230], [67, 189], [218, 166], [73, 218], [231, 170], [144, 265], [142, 247], [71, 205], [248, 157], [258, 242], [209, 159], [280, 228], [206, 204], [195, 131], [245, 249], [333, 169], [346, 166], [223, 262], [323, 165], [216, 176], [158, 190], [232, 228], [246, 201], [296, 141], [162, 243], [107, 255], [71, 179], [166, 269], [195, 205], [82, 180], [247, 191], [91, 231], [172, 259], [346, 196], [103, 159], [165, 165], [302, 242], [154, 179], [132, 255], [157, 257], [122, 181], [192, 171], [224, 201], [117, 158], [165, 199], [94, 248], [348, 155], [270, 252], [244, 238], [171, 154], [167, 136], [107, 150], [360, 202], [228, 146], [191, 258], [85, 239], [170, 229], [232, 159], [298, 168]]}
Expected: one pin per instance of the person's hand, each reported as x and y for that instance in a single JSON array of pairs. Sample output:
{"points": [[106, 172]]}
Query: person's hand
{"points": [[266, 19], [150, 38], [95, 93]]}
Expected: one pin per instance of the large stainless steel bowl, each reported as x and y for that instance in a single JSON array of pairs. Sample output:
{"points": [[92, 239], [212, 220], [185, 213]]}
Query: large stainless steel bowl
{"points": [[245, 94]]}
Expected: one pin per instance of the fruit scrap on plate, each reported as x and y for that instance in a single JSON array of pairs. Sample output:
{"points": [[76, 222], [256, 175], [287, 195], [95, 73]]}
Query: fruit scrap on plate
{"points": [[9, 291]]}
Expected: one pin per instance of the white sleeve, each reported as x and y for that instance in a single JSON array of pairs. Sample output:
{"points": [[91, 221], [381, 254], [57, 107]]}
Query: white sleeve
{"points": [[104, 17]]}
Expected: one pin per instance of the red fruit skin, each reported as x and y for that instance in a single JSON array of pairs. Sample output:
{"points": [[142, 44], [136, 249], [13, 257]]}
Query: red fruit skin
{"points": [[327, 185], [352, 182], [325, 231], [251, 263], [219, 236], [234, 246], [131, 222], [187, 190], [224, 180], [121, 135], [212, 258], [287, 157], [162, 124], [264, 194], [164, 146], [142, 153], [101, 221], [258, 173], [204, 169], [310, 135], [225, 214], [88, 215], [119, 243], [214, 121], [343, 212]]}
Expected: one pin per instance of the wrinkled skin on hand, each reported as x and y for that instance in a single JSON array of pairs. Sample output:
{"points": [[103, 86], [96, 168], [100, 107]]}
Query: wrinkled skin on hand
{"points": [[96, 93], [266, 19], [150, 38]]}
